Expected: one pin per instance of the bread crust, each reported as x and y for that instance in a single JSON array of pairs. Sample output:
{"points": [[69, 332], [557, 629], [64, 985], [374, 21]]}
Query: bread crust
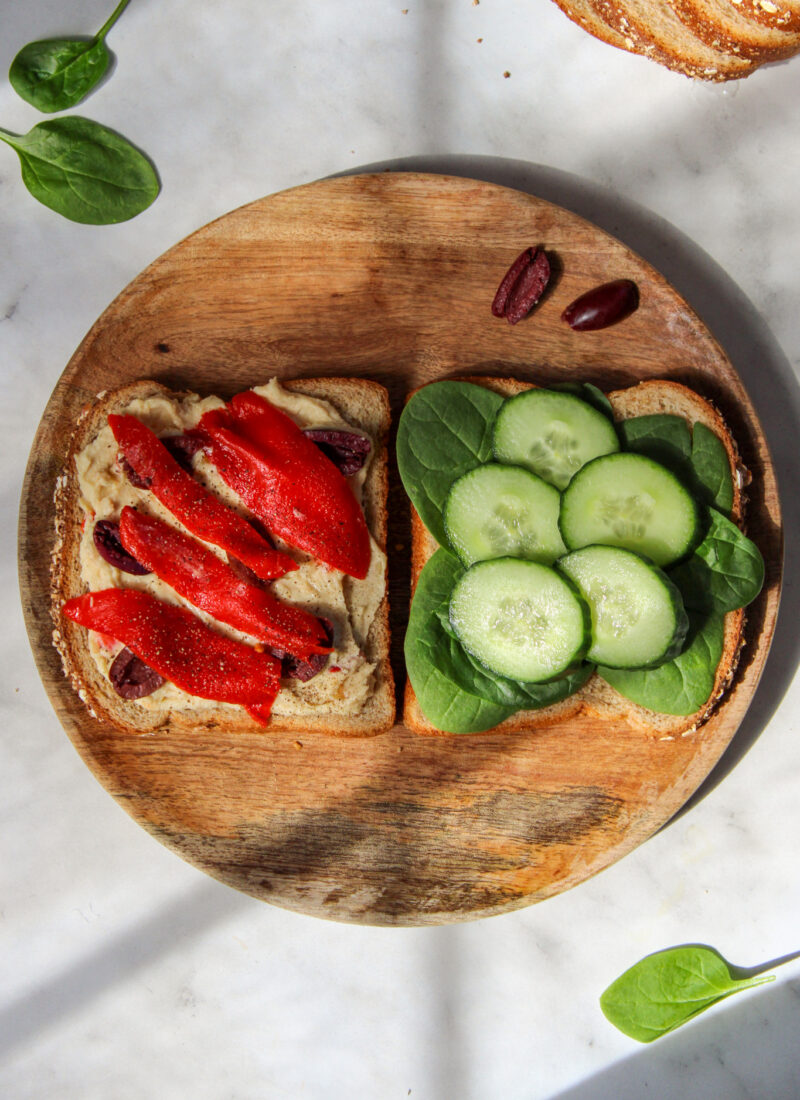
{"points": [[362, 403], [722, 27], [596, 697], [781, 14], [712, 40], [655, 24]]}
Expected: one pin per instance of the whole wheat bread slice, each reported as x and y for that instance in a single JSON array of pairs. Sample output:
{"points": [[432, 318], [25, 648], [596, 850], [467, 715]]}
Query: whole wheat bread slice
{"points": [[781, 14], [719, 24], [361, 403], [597, 697], [656, 24]]}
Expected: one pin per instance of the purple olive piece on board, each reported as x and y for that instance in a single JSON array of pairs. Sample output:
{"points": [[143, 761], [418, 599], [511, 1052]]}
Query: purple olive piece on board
{"points": [[131, 677], [109, 547], [522, 285], [603, 306]]}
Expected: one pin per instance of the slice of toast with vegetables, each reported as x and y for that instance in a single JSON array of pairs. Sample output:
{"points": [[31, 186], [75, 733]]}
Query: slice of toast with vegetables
{"points": [[177, 603], [648, 539]]}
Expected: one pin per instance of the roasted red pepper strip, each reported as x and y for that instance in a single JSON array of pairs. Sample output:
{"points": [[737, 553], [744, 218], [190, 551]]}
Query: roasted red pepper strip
{"points": [[197, 509], [180, 647], [284, 478], [204, 580]]}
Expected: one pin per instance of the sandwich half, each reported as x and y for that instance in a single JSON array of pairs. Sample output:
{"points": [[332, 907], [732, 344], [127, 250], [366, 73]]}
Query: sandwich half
{"points": [[347, 691], [595, 696]]}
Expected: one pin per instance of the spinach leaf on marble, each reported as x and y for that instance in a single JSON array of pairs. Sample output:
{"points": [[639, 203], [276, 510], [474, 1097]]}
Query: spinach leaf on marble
{"points": [[680, 686], [55, 74], [664, 990], [444, 431], [84, 171], [725, 571], [427, 646]]}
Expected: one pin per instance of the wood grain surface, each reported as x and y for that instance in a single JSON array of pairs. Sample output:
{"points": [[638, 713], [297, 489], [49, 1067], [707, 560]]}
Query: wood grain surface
{"points": [[391, 277]]}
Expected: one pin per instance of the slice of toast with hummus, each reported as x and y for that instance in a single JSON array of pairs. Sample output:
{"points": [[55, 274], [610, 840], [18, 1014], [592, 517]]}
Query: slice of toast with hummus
{"points": [[353, 693]]}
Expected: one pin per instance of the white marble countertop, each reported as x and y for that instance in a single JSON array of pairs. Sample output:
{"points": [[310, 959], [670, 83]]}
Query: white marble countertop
{"points": [[124, 972]]}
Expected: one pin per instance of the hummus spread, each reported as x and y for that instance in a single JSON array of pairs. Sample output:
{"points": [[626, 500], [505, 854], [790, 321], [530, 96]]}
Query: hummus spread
{"points": [[345, 683]]}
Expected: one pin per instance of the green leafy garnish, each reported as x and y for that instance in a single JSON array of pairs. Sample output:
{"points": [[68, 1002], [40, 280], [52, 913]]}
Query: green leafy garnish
{"points": [[664, 990], [684, 684], [84, 171], [443, 701], [661, 436], [725, 571], [57, 73], [445, 431], [712, 468], [587, 392], [698, 457]]}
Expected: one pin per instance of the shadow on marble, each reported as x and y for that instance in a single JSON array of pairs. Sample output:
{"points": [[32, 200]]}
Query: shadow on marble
{"points": [[747, 340], [749, 1042], [70, 991]]}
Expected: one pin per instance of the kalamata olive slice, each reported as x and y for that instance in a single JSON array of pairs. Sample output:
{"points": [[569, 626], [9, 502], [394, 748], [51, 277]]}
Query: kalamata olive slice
{"points": [[109, 547], [244, 572], [603, 306], [522, 285], [292, 668], [136, 481], [347, 450], [184, 447], [131, 677]]}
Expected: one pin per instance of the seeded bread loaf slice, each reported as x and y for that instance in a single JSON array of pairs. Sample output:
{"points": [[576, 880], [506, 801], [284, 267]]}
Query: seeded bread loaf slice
{"points": [[597, 697], [781, 14], [720, 25], [584, 14], [655, 23], [362, 404]]}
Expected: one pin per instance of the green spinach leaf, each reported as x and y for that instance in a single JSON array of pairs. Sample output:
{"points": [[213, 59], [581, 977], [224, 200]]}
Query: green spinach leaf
{"points": [[725, 571], [84, 171], [712, 469], [587, 392], [664, 438], [443, 702], [680, 686], [664, 990], [444, 431], [56, 73], [697, 457], [472, 676]]}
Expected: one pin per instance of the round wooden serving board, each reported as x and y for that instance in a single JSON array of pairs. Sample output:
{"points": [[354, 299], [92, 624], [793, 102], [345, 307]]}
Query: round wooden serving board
{"points": [[391, 277]]}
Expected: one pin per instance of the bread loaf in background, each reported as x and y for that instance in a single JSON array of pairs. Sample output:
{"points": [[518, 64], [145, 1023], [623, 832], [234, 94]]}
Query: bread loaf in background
{"points": [[714, 40]]}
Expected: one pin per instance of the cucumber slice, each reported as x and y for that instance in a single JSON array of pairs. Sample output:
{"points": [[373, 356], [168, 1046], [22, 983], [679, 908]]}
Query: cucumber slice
{"points": [[519, 618], [553, 434], [630, 501], [638, 620], [499, 511]]}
